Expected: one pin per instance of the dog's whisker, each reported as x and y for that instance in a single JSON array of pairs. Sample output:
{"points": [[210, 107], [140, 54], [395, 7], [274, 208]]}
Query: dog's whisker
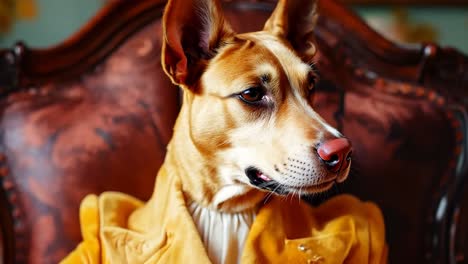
{"points": [[300, 194], [291, 195], [270, 194], [267, 197]]}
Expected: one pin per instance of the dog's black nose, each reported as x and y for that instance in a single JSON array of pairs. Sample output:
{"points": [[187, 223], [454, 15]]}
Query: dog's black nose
{"points": [[335, 153]]}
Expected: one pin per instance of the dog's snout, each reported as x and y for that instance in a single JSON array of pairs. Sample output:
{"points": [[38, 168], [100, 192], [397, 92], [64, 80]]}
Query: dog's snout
{"points": [[335, 153]]}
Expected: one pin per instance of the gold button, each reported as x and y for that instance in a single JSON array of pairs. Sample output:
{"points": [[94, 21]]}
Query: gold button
{"points": [[302, 247]]}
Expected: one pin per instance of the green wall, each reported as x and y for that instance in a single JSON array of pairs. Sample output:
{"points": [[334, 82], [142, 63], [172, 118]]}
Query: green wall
{"points": [[56, 20], [451, 23]]}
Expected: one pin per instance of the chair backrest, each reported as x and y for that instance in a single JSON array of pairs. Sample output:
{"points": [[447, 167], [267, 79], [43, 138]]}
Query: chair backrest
{"points": [[96, 112]]}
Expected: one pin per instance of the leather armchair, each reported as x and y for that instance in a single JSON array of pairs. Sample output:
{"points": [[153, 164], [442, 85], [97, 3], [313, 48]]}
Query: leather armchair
{"points": [[94, 114]]}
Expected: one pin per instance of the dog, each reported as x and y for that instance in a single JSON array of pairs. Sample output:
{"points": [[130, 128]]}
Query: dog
{"points": [[246, 136], [246, 123]]}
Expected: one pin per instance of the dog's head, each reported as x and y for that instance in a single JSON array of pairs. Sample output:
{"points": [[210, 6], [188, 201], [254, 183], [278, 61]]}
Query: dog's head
{"points": [[247, 100]]}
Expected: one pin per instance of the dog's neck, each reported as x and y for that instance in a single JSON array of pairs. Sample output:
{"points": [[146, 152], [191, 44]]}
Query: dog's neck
{"points": [[200, 178]]}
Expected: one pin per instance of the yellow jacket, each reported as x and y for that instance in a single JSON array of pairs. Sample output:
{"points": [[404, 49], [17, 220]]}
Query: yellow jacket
{"points": [[117, 228]]}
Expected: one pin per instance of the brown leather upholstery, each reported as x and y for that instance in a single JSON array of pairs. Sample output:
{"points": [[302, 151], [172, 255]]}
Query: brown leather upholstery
{"points": [[95, 113]]}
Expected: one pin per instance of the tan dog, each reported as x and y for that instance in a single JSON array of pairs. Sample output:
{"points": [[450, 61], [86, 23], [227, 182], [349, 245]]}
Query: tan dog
{"points": [[246, 127]]}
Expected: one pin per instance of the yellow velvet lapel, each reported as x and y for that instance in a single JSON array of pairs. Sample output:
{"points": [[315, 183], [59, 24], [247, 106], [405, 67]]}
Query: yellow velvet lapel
{"points": [[117, 228]]}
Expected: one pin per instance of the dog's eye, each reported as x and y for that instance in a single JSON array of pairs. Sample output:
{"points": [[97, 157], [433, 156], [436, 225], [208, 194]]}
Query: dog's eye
{"points": [[252, 95]]}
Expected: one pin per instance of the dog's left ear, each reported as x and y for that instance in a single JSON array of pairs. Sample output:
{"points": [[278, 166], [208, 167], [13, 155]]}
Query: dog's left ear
{"points": [[295, 20], [193, 31]]}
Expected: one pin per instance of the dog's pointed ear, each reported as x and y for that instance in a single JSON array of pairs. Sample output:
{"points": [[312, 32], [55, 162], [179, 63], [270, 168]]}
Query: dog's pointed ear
{"points": [[193, 31], [295, 20]]}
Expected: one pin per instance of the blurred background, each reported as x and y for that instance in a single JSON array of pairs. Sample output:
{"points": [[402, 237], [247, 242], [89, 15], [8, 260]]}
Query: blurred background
{"points": [[43, 23]]}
